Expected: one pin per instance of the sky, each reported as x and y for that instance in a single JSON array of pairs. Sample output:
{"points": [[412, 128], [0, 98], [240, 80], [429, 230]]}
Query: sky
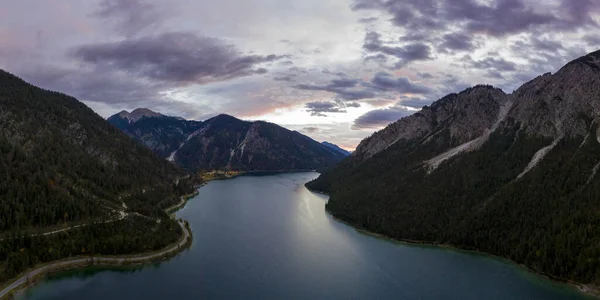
{"points": [[335, 70]]}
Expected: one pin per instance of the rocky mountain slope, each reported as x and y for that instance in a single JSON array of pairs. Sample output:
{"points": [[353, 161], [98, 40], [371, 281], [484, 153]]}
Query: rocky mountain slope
{"points": [[227, 143], [61, 162], [514, 175], [162, 134]]}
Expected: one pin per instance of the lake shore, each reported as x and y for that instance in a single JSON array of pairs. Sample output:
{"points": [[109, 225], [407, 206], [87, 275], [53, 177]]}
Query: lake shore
{"points": [[29, 277], [587, 289]]}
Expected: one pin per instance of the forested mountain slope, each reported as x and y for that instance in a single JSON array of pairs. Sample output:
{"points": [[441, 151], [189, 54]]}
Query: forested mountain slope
{"points": [[227, 143], [513, 175], [61, 162]]}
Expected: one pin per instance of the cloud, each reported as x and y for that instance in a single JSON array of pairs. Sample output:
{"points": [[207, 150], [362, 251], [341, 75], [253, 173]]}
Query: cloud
{"points": [[110, 88], [131, 16], [456, 41], [405, 53], [382, 85], [283, 78], [341, 89], [368, 20], [378, 118], [592, 39], [310, 129], [491, 63], [319, 108], [492, 18], [178, 57], [425, 75], [386, 81], [416, 103]]}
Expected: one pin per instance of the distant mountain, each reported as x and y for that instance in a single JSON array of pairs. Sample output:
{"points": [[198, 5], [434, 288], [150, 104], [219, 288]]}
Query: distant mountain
{"points": [[336, 148], [510, 174], [227, 143]]}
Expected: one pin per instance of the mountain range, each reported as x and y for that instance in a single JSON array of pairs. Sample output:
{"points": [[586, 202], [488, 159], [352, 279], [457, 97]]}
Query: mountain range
{"points": [[226, 143], [510, 174]]}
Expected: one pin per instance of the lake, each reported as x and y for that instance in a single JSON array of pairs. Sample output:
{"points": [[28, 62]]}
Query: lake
{"points": [[268, 237]]}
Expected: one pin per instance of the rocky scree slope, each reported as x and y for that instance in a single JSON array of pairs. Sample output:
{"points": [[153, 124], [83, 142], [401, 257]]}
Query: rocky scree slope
{"points": [[513, 175]]}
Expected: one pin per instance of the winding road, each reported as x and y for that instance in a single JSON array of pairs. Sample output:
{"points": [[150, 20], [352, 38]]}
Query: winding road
{"points": [[97, 260]]}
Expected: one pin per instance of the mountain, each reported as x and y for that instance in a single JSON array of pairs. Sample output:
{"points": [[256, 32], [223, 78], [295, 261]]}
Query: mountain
{"points": [[124, 118], [227, 143], [509, 174], [62, 164], [336, 148], [162, 134]]}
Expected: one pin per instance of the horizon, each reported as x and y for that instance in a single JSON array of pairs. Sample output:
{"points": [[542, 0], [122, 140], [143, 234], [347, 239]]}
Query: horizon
{"points": [[377, 61]]}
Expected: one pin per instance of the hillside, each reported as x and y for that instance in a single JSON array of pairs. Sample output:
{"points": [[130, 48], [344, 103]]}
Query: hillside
{"points": [[227, 143], [336, 148], [513, 175], [62, 164]]}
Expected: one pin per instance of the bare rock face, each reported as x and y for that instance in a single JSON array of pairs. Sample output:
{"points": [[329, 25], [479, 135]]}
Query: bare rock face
{"points": [[466, 115], [561, 104]]}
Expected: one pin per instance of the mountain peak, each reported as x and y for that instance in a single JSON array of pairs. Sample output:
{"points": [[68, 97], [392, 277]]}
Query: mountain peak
{"points": [[136, 114], [591, 60], [139, 113], [222, 118]]}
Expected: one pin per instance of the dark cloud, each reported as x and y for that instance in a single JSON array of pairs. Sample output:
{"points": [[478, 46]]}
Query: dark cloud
{"points": [[319, 108], [413, 37], [131, 16], [494, 74], [386, 81], [491, 63], [416, 103], [381, 85], [405, 53], [368, 20], [179, 57], [456, 42], [380, 57], [592, 39], [260, 71], [283, 78], [380, 117], [425, 75], [105, 86], [494, 18], [341, 88], [310, 129], [546, 44]]}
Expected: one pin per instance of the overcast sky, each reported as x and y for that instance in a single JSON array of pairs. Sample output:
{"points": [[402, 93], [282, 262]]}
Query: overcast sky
{"points": [[336, 70]]}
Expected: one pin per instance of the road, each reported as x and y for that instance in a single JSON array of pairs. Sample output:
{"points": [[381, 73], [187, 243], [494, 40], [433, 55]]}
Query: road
{"points": [[101, 260], [122, 215]]}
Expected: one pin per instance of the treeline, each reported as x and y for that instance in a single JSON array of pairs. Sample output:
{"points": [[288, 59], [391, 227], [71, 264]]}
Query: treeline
{"points": [[129, 236], [548, 220]]}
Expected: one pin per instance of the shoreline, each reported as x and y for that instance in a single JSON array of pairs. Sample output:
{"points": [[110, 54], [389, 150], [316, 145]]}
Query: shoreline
{"points": [[589, 290], [30, 277]]}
